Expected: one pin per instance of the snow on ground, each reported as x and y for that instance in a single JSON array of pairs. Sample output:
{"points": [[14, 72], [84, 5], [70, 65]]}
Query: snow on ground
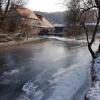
{"points": [[65, 39], [71, 84], [94, 92]]}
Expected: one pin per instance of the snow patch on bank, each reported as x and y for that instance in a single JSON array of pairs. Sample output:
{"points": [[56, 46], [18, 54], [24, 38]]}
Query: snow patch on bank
{"points": [[94, 92]]}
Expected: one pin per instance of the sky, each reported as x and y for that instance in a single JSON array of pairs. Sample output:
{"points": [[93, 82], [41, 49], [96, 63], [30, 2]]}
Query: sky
{"points": [[46, 5]]}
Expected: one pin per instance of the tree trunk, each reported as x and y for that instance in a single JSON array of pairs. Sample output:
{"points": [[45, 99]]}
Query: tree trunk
{"points": [[5, 12], [99, 49], [91, 51], [0, 6]]}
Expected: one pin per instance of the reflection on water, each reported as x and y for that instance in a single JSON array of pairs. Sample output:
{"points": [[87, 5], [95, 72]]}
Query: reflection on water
{"points": [[36, 62]]}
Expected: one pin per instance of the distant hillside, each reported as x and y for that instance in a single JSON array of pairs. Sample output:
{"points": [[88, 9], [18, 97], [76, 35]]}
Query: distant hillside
{"points": [[55, 17]]}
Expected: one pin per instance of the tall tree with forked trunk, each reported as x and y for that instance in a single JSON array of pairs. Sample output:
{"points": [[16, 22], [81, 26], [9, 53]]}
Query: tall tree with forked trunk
{"points": [[84, 6]]}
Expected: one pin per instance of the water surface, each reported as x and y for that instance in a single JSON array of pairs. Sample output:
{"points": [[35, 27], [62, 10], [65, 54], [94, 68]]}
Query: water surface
{"points": [[37, 63]]}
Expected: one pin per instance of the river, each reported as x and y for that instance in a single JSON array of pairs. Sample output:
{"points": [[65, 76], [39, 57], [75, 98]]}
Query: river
{"points": [[28, 68]]}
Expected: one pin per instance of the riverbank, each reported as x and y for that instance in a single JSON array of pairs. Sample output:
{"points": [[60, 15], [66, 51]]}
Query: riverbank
{"points": [[20, 42], [38, 39], [94, 92]]}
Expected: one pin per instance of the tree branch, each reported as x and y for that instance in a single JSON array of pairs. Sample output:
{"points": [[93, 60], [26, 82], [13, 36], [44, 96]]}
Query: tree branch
{"points": [[86, 31], [96, 28], [85, 10]]}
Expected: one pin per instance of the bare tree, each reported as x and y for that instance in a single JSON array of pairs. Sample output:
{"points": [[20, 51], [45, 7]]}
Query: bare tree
{"points": [[87, 6], [5, 6], [0, 5], [72, 18]]}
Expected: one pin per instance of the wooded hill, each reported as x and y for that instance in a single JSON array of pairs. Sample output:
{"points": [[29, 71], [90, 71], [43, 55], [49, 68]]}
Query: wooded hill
{"points": [[55, 17]]}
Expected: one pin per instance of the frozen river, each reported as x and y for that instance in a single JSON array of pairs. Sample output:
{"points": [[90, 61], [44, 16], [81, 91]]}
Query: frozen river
{"points": [[33, 71]]}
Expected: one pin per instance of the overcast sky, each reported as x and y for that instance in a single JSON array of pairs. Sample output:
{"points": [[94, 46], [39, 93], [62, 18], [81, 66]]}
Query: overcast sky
{"points": [[46, 5]]}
